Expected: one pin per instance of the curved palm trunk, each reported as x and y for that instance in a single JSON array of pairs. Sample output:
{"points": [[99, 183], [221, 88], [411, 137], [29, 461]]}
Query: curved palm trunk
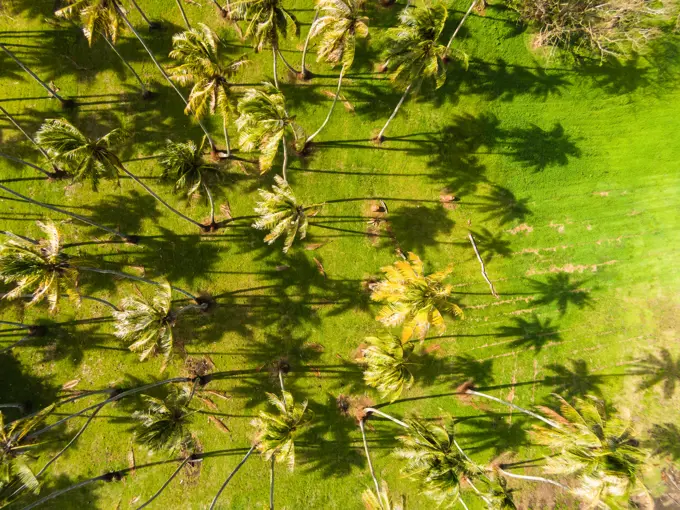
{"points": [[283, 389], [532, 478], [226, 135], [64, 102], [125, 237], [167, 482], [231, 475], [223, 11], [517, 408], [462, 503], [184, 14], [368, 458], [27, 163], [161, 69], [152, 24], [271, 484], [213, 224], [330, 112], [285, 158], [455, 32], [381, 135], [145, 91], [290, 67], [274, 57], [132, 176], [303, 72], [108, 477], [102, 301], [387, 416]]}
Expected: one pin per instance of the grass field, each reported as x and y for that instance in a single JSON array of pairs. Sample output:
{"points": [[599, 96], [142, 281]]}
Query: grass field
{"points": [[567, 176]]}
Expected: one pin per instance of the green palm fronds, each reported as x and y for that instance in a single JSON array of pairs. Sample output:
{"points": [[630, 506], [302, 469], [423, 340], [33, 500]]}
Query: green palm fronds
{"points": [[433, 460], [338, 26], [97, 16], [499, 496], [413, 299], [263, 122], [387, 370], [600, 450], [183, 163], [148, 323], [202, 66], [281, 214], [380, 501], [412, 48], [41, 270], [266, 21], [85, 158], [163, 425], [276, 433]]}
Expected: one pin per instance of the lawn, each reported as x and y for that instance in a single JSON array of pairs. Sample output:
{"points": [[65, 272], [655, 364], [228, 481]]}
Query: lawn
{"points": [[568, 177]]}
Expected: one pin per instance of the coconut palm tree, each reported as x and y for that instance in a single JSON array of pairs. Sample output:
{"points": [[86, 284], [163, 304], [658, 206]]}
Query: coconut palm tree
{"points": [[99, 17], [267, 21], [339, 26], [183, 163], [92, 159], [414, 52], [281, 214], [386, 359], [381, 500], [202, 66], [413, 299], [263, 123], [38, 268]]}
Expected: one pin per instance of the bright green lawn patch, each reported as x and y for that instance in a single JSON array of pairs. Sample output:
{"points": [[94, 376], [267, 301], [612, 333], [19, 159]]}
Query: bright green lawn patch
{"points": [[567, 176]]}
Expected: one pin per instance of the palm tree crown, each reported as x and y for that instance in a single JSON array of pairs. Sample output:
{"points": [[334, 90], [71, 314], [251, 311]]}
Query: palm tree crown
{"points": [[386, 359], [380, 501], [267, 20], [39, 269], [338, 27], [183, 163], [413, 50], [97, 16], [281, 213], [414, 299], [163, 424]]}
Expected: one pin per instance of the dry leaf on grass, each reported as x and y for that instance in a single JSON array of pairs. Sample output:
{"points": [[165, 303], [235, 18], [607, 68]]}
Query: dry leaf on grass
{"points": [[70, 385], [219, 424]]}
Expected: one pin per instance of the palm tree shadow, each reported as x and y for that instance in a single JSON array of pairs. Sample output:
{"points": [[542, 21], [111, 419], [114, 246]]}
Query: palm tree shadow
{"points": [[664, 440], [489, 244], [129, 210], [656, 369], [416, 227], [464, 368], [576, 381], [19, 386], [502, 205], [538, 148], [559, 289], [492, 432], [533, 333]]}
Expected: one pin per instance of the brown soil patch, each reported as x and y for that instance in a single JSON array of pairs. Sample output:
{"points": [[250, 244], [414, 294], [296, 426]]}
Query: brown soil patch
{"points": [[601, 193], [572, 268], [520, 228], [557, 226]]}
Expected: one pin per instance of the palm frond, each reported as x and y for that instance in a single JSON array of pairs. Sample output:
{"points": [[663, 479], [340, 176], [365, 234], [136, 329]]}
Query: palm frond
{"points": [[338, 26], [164, 424], [183, 163], [386, 359]]}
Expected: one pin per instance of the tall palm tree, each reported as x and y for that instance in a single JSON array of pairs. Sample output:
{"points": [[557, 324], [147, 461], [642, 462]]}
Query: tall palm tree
{"points": [[99, 17], [414, 52], [183, 163], [386, 359], [339, 26], [267, 21], [263, 123], [413, 299], [92, 159], [281, 214], [202, 66]]}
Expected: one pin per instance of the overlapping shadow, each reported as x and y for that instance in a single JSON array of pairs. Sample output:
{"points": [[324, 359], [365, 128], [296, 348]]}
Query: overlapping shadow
{"points": [[417, 227], [533, 333], [664, 440], [30, 390], [489, 244]]}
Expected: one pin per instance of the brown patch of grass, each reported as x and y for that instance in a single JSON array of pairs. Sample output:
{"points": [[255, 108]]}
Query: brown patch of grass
{"points": [[520, 228]]}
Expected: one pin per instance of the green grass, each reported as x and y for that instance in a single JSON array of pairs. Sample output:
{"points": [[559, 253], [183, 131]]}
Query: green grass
{"points": [[586, 158]]}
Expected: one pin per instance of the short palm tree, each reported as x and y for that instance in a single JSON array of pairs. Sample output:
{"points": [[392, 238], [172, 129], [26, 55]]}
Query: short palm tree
{"points": [[267, 21], [183, 163], [201, 65], [600, 450], [339, 26], [413, 299], [386, 359], [414, 52], [38, 268], [281, 214], [92, 159], [99, 17], [263, 123]]}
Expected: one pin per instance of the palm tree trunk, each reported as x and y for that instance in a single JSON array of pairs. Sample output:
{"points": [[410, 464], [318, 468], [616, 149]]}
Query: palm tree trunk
{"points": [[122, 168], [303, 72], [372, 410], [271, 484], [283, 389], [290, 67], [152, 24], [517, 408], [226, 135], [212, 206], [330, 112], [368, 458], [462, 503], [145, 91], [184, 14], [231, 475], [21, 161], [276, 79], [102, 301], [223, 11], [455, 32], [17, 324], [44, 85], [167, 482], [125, 237], [21, 341], [161, 69], [106, 477], [532, 478], [285, 158], [381, 135], [27, 239]]}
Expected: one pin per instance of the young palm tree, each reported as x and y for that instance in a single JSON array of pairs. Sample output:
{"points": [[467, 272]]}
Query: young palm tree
{"points": [[262, 125], [267, 21], [38, 268], [386, 359], [280, 213], [413, 299], [339, 26], [92, 159], [202, 66], [99, 17], [183, 163], [414, 52]]}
